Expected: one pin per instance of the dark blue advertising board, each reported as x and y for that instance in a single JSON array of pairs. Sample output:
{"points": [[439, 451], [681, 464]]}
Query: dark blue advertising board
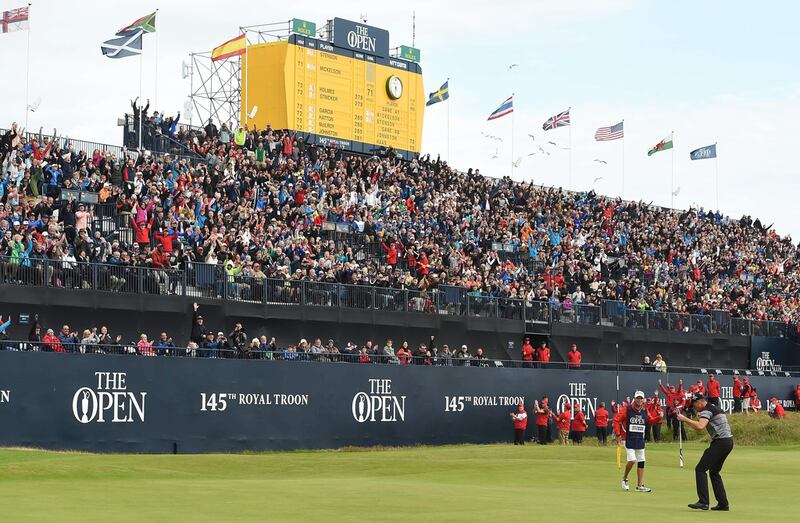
{"points": [[360, 37], [107, 403]]}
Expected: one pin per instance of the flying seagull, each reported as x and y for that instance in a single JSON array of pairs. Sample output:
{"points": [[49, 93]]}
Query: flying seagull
{"points": [[598, 179], [541, 149], [532, 137], [600, 161], [554, 144], [510, 67], [532, 154], [492, 157], [676, 191], [519, 161]]}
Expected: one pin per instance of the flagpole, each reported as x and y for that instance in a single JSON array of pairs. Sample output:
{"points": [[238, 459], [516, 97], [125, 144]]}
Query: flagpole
{"points": [[141, 109], [716, 174], [449, 162], [28, 69], [155, 97], [623, 158], [672, 180], [570, 151], [246, 79], [512, 135]]}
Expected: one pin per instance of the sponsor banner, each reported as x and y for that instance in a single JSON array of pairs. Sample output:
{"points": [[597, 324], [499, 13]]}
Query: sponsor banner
{"points": [[360, 37], [108, 403]]}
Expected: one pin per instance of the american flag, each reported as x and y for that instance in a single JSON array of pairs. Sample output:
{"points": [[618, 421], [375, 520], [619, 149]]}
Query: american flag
{"points": [[559, 120], [605, 134], [14, 20]]}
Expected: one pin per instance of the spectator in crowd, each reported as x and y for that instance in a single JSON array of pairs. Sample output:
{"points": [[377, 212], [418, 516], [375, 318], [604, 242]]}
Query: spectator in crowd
{"points": [[463, 356], [578, 426], [527, 353], [89, 341], [363, 356], [164, 345], [480, 359], [797, 398], [737, 393], [144, 346], [776, 410], [574, 357], [655, 417], [389, 354], [646, 363], [51, 342], [446, 357], [660, 365], [563, 423], [601, 424], [520, 419], [404, 354], [713, 389], [674, 398], [199, 330]]}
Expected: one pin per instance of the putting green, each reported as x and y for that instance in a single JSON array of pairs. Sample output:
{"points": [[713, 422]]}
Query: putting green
{"points": [[453, 483]]}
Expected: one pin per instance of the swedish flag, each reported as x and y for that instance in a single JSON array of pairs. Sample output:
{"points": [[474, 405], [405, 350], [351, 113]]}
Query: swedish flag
{"points": [[439, 96]]}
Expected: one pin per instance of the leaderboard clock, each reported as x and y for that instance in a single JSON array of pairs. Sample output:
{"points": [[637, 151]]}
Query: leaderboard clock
{"points": [[348, 92]]}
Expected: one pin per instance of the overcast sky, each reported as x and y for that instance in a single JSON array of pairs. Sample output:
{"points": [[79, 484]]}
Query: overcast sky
{"points": [[712, 71]]}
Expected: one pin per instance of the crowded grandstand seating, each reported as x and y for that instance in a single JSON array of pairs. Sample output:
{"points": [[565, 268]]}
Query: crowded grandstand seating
{"points": [[259, 215]]}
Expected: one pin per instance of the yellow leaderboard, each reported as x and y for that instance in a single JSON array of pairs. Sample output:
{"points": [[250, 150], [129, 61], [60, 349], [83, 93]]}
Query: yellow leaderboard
{"points": [[337, 96]]}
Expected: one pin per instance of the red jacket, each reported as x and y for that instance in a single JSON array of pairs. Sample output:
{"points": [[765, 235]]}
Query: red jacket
{"points": [[713, 389], [143, 231], [779, 412], [579, 422], [520, 420], [562, 420], [527, 352], [542, 417], [797, 396], [53, 342], [737, 387], [391, 253], [544, 355], [166, 240], [672, 395], [655, 413], [601, 417], [574, 358]]}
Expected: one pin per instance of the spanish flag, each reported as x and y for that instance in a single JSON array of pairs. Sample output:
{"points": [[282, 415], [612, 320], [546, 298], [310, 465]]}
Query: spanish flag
{"points": [[233, 47]]}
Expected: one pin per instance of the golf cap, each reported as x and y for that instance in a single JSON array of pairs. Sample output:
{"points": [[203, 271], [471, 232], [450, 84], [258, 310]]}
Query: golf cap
{"points": [[698, 396], [638, 394]]}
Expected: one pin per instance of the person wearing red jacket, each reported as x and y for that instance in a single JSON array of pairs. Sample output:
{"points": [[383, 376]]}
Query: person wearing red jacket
{"points": [[527, 353], [776, 410], [142, 233], [755, 403], [574, 357], [674, 399], [629, 426], [544, 354], [700, 387], [520, 419], [601, 423], [797, 398], [563, 422], [578, 425], [166, 239], [655, 419], [51, 342], [542, 411], [713, 390], [737, 394], [391, 253]]}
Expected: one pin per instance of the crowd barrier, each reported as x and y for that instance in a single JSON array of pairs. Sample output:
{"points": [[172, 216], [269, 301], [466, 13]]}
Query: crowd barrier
{"points": [[107, 403]]}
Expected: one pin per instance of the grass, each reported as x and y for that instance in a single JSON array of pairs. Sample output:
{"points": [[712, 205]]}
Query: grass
{"points": [[452, 483]]}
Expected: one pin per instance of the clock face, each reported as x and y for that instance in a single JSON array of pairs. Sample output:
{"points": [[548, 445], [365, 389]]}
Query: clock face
{"points": [[394, 87]]}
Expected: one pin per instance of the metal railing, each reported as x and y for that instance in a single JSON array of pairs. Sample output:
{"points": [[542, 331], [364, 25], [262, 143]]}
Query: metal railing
{"points": [[70, 345], [203, 280]]}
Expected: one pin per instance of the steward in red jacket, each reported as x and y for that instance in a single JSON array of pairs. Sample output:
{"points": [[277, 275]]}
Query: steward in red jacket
{"points": [[578, 425], [520, 419]]}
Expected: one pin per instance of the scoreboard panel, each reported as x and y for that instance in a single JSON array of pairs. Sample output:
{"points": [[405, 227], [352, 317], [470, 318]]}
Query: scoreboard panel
{"points": [[334, 95]]}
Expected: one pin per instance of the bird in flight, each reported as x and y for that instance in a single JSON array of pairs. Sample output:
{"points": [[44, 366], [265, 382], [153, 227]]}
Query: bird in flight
{"points": [[600, 161], [598, 179], [532, 137], [532, 154], [510, 67], [495, 155], [519, 161], [554, 144]]}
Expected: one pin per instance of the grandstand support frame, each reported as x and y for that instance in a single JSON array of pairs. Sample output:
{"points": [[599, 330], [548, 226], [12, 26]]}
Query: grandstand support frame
{"points": [[218, 92]]}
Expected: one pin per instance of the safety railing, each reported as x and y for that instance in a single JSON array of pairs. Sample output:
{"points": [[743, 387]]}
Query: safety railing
{"points": [[222, 348], [203, 280]]}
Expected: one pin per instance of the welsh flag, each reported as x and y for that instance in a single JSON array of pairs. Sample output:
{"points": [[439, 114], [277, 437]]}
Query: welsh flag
{"points": [[146, 23], [663, 145]]}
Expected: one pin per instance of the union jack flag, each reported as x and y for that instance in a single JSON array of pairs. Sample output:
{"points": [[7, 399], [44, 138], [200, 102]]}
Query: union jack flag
{"points": [[14, 20], [559, 120]]}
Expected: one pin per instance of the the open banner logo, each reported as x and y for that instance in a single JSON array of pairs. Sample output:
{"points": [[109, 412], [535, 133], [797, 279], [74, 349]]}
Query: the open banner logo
{"points": [[110, 401], [379, 404]]}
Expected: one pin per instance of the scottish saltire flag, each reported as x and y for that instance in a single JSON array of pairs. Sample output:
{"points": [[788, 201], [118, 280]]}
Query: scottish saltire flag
{"points": [[704, 153], [505, 108], [14, 20], [129, 43], [146, 23], [559, 120], [439, 96]]}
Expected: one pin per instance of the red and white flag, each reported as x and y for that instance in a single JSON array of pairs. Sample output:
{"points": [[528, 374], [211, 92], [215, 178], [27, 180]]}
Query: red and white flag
{"points": [[14, 20]]}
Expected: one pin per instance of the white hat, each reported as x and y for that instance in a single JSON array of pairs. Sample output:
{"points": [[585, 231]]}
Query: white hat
{"points": [[638, 394]]}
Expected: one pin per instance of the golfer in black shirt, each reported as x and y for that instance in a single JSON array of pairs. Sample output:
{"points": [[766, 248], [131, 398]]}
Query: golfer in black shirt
{"points": [[713, 419]]}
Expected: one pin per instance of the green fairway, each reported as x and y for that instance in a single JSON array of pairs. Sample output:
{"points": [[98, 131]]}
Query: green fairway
{"points": [[455, 483]]}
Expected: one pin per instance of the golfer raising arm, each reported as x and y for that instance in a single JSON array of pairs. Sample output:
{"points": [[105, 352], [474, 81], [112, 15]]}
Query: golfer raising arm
{"points": [[713, 419]]}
